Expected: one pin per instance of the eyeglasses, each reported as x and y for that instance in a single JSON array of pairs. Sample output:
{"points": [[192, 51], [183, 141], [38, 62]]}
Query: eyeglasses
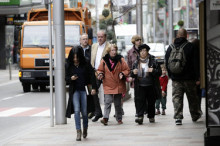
{"points": [[138, 40]]}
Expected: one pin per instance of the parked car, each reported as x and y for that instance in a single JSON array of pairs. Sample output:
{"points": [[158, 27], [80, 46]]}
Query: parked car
{"points": [[158, 50]]}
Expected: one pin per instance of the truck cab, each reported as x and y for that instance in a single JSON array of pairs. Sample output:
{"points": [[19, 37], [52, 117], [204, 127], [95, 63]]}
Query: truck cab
{"points": [[34, 53]]}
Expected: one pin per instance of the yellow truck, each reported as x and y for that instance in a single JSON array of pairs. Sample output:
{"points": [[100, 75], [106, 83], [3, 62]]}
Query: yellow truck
{"points": [[34, 52]]}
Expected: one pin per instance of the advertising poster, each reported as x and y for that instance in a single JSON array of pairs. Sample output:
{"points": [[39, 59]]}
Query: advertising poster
{"points": [[213, 63]]}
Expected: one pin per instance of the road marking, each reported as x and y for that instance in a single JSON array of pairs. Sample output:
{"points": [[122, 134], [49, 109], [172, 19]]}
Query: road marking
{"points": [[8, 83], [25, 112], [6, 98], [30, 112], [45, 113], [10, 112], [21, 94]]}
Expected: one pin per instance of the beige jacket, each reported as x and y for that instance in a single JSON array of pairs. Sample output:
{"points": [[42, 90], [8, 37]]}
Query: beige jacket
{"points": [[94, 52]]}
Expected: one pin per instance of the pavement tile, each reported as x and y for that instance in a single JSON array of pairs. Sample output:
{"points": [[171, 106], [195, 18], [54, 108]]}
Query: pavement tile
{"points": [[163, 132]]}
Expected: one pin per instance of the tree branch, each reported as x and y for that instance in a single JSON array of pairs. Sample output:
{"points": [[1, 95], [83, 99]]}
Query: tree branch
{"points": [[128, 10]]}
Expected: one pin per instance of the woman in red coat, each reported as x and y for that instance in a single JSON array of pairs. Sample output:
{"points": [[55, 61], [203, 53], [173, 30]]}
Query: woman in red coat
{"points": [[113, 70]]}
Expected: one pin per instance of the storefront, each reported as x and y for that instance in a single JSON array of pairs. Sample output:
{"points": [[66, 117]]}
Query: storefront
{"points": [[212, 68], [12, 15]]}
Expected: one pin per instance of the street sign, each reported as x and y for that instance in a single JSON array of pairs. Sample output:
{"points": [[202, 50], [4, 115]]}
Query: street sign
{"points": [[214, 4]]}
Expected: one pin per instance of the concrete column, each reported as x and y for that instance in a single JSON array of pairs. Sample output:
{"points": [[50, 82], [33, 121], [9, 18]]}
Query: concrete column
{"points": [[165, 28], [60, 85], [187, 13], [139, 21], [97, 16], [170, 21], [154, 23]]}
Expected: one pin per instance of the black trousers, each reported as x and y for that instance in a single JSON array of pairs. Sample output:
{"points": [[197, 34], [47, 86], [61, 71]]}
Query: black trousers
{"points": [[98, 110], [90, 104], [145, 100]]}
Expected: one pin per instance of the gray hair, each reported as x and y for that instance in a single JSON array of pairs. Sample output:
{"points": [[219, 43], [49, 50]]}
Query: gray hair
{"points": [[103, 31]]}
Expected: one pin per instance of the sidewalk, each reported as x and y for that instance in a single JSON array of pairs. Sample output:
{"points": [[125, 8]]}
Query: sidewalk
{"points": [[163, 132], [5, 75]]}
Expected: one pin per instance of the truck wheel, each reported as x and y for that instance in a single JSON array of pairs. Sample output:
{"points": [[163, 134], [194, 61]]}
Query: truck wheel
{"points": [[42, 87], [26, 87], [35, 87]]}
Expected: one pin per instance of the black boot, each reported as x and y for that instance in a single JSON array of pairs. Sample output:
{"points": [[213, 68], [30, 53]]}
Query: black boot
{"points": [[85, 132], [139, 120], [78, 137]]}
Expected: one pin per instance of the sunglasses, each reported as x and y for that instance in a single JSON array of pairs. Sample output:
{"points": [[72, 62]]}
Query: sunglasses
{"points": [[138, 40]]}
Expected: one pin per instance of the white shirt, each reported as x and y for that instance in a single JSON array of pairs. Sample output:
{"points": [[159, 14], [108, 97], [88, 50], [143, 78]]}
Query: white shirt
{"points": [[99, 55], [84, 49], [144, 67]]}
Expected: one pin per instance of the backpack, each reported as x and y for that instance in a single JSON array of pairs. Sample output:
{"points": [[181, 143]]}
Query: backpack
{"points": [[177, 59]]}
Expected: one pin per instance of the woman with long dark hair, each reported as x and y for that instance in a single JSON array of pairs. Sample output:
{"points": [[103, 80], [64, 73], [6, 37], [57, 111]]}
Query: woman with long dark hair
{"points": [[79, 73]]}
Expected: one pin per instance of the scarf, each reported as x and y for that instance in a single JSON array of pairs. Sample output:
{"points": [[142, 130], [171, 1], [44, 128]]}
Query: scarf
{"points": [[112, 63], [143, 70]]}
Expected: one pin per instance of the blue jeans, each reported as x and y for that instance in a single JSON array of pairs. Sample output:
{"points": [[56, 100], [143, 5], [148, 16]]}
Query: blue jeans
{"points": [[80, 104], [163, 101]]}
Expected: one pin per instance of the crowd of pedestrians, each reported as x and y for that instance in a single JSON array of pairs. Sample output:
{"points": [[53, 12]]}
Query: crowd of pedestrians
{"points": [[89, 67]]}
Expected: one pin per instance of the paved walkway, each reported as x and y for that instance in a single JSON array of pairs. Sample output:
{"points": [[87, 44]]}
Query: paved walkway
{"points": [[163, 132], [5, 75]]}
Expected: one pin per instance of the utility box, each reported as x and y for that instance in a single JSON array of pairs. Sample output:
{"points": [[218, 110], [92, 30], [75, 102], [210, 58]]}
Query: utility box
{"points": [[15, 2]]}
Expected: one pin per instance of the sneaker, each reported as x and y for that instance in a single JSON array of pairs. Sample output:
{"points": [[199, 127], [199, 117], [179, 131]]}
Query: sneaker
{"points": [[90, 115], [178, 121], [157, 112], [136, 115], [151, 120], [104, 121], [163, 112], [120, 122], [196, 119], [96, 118], [139, 120]]}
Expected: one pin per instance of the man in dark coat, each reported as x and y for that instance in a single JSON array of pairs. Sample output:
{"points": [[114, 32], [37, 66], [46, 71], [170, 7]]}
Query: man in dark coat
{"points": [[86, 47], [84, 42], [185, 82]]}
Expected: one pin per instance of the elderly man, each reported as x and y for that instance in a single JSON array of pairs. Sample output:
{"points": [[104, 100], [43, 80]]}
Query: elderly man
{"points": [[97, 52], [86, 47], [184, 81]]}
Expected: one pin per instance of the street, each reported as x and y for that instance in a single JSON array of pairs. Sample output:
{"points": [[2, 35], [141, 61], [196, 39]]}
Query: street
{"points": [[24, 120], [21, 112]]}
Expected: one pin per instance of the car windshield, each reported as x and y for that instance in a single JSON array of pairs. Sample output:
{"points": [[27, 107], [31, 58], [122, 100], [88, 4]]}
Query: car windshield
{"points": [[37, 36], [156, 47]]}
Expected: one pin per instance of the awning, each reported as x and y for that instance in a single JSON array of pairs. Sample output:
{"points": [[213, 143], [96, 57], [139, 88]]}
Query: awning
{"points": [[11, 10]]}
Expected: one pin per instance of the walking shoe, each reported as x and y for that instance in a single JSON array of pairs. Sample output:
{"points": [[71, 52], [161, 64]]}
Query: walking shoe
{"points": [[96, 118], [85, 132], [151, 120], [139, 120], [104, 121], [178, 121], [90, 115], [78, 136], [120, 122], [157, 112], [196, 119], [163, 112]]}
